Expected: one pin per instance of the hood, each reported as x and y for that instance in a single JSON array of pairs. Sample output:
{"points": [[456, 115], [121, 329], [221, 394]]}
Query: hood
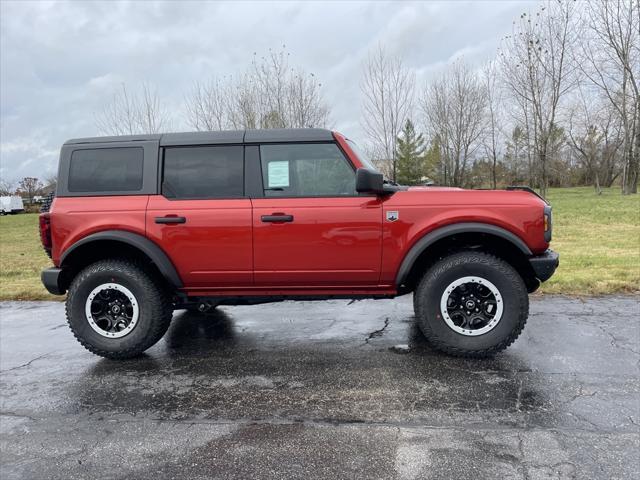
{"points": [[439, 189]]}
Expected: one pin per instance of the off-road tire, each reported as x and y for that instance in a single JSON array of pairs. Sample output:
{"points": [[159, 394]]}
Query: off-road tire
{"points": [[428, 294], [154, 306]]}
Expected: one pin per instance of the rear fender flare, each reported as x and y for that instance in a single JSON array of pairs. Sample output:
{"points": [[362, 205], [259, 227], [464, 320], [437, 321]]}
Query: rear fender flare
{"points": [[146, 246]]}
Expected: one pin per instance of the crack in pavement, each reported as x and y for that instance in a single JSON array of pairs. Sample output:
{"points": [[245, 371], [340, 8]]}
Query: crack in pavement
{"points": [[339, 423], [26, 364], [377, 333]]}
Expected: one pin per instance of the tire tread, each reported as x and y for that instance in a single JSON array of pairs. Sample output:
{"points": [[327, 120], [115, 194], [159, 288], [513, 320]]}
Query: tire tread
{"points": [[160, 306], [462, 258]]}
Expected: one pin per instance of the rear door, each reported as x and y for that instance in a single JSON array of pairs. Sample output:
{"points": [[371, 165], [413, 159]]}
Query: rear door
{"points": [[311, 229], [202, 219]]}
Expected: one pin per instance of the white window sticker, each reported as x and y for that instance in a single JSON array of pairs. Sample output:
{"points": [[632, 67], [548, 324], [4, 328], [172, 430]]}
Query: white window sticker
{"points": [[278, 174]]}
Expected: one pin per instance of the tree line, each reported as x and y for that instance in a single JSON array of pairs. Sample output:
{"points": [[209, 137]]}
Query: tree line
{"points": [[558, 105], [28, 187]]}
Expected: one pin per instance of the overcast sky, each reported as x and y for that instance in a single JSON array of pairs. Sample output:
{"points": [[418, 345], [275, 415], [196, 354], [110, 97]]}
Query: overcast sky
{"points": [[61, 62]]}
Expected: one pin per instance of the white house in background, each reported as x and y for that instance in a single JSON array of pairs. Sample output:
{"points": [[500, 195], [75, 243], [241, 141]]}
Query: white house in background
{"points": [[11, 204]]}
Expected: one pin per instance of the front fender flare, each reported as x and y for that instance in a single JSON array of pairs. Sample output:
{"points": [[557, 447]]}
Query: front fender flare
{"points": [[146, 246], [448, 230]]}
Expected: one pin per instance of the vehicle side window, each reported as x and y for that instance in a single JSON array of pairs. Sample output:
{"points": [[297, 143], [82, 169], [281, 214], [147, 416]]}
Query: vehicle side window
{"points": [[306, 170], [203, 172], [106, 170]]}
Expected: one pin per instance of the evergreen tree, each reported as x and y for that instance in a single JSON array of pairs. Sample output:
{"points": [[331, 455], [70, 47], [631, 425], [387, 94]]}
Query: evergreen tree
{"points": [[410, 156], [434, 163]]}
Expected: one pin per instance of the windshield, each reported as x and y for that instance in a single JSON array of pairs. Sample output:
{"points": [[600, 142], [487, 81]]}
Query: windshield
{"points": [[363, 158]]}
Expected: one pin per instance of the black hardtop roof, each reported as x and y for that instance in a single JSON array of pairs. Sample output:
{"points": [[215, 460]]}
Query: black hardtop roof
{"points": [[226, 136]]}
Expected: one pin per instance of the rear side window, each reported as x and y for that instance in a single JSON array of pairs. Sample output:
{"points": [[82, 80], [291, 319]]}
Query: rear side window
{"points": [[203, 172], [106, 170]]}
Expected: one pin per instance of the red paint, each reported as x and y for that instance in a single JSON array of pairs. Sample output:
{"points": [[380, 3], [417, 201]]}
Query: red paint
{"points": [[424, 210], [334, 246], [213, 247], [346, 148], [73, 218], [331, 241]]}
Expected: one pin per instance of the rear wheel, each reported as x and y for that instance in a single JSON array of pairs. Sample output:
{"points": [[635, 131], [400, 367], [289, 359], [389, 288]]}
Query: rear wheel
{"points": [[116, 309], [471, 304]]}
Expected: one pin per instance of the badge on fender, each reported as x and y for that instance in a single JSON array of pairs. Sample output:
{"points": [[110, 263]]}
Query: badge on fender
{"points": [[392, 215]]}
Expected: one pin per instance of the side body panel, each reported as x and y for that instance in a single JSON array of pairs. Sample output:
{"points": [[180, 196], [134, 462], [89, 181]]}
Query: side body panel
{"points": [[213, 248], [73, 218], [329, 242], [422, 211]]}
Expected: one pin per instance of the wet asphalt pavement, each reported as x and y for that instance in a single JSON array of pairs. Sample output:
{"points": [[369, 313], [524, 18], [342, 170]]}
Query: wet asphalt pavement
{"points": [[324, 390]]}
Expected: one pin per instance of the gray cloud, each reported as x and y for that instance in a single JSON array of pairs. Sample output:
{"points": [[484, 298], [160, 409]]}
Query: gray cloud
{"points": [[60, 62]]}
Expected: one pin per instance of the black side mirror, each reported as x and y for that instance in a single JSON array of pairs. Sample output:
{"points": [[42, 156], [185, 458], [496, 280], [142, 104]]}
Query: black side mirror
{"points": [[368, 181]]}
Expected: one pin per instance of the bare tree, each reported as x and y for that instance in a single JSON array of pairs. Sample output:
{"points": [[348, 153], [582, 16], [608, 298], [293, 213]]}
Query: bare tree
{"points": [[50, 184], [285, 97], [30, 186], [388, 92], [207, 107], [610, 59], [130, 114], [538, 73], [269, 94], [243, 107], [594, 134], [306, 106], [454, 107], [7, 187], [493, 131]]}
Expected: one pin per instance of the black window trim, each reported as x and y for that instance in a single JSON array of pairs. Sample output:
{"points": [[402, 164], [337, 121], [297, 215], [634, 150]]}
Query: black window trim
{"points": [[163, 149]]}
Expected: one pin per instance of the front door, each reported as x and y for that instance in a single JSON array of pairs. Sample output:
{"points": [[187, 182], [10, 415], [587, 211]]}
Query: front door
{"points": [[311, 229], [202, 219]]}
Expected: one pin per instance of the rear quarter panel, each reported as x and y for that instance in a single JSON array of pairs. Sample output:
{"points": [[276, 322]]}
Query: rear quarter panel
{"points": [[73, 218]]}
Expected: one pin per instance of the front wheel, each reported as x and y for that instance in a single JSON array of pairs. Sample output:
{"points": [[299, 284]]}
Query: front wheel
{"points": [[471, 304], [116, 309]]}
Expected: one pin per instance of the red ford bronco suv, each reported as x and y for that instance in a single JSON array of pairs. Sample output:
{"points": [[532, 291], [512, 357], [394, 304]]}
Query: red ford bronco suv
{"points": [[144, 225]]}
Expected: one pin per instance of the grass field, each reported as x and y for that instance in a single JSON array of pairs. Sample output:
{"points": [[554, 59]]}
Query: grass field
{"points": [[598, 237]]}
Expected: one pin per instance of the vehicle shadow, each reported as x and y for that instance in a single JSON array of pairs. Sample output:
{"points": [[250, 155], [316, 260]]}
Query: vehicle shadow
{"points": [[191, 332]]}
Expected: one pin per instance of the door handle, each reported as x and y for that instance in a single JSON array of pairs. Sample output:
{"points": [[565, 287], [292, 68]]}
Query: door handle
{"points": [[168, 219], [278, 218]]}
